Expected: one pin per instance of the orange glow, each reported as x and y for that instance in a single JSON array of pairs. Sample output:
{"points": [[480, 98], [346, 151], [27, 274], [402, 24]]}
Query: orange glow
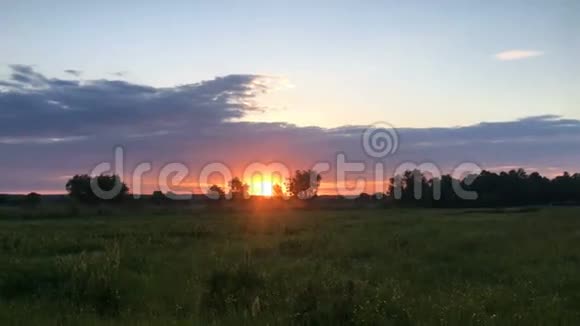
{"points": [[263, 188], [262, 185]]}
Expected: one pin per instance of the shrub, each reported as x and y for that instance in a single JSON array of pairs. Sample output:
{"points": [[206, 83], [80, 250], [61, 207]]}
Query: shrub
{"points": [[80, 187], [32, 199]]}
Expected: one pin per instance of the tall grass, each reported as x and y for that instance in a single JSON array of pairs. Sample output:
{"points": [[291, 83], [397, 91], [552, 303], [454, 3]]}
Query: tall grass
{"points": [[368, 267]]}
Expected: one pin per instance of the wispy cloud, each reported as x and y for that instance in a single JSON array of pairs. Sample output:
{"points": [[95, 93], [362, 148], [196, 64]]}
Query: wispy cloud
{"points": [[74, 72], [517, 54], [120, 73]]}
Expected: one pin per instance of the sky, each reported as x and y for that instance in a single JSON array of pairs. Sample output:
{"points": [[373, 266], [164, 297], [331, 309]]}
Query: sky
{"points": [[493, 82]]}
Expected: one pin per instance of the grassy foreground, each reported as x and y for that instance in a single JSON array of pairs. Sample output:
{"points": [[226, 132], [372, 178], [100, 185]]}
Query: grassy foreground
{"points": [[367, 267]]}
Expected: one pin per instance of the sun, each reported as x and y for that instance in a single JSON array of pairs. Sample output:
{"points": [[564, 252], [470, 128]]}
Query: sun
{"points": [[262, 185], [261, 188]]}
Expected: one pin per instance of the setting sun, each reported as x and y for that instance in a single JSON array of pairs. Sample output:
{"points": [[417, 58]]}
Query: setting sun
{"points": [[263, 188], [263, 185]]}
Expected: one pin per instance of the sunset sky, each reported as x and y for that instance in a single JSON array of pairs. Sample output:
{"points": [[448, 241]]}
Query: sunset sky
{"points": [[490, 82]]}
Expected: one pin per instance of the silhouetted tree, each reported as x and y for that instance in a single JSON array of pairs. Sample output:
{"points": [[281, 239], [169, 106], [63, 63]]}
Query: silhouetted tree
{"points": [[32, 199], [447, 195], [512, 188], [411, 188], [158, 197], [238, 189], [216, 193], [304, 184], [277, 191], [566, 188], [364, 197], [79, 188]]}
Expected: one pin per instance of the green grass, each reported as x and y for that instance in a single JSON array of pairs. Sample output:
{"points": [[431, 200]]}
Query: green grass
{"points": [[367, 267]]}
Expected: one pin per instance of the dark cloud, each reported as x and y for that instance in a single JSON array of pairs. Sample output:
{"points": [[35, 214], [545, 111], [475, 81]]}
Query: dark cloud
{"points": [[36, 106], [120, 73], [25, 75], [74, 72], [50, 128]]}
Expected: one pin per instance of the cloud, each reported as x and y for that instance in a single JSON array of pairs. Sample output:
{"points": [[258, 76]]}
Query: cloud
{"points": [[73, 72], [37, 140], [120, 73], [33, 105], [510, 55], [52, 127]]}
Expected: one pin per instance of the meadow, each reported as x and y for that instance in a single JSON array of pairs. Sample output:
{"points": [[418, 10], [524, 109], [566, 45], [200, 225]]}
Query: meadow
{"points": [[293, 267]]}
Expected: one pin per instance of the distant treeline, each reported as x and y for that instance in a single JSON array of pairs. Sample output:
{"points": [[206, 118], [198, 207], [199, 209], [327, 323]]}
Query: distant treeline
{"points": [[513, 188], [413, 188]]}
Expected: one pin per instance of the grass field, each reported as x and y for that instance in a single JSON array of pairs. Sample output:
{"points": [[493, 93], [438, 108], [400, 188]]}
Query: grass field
{"points": [[366, 267]]}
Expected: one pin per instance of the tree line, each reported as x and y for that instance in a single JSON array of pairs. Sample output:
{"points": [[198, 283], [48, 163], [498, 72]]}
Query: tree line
{"points": [[512, 188], [302, 184], [412, 188]]}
